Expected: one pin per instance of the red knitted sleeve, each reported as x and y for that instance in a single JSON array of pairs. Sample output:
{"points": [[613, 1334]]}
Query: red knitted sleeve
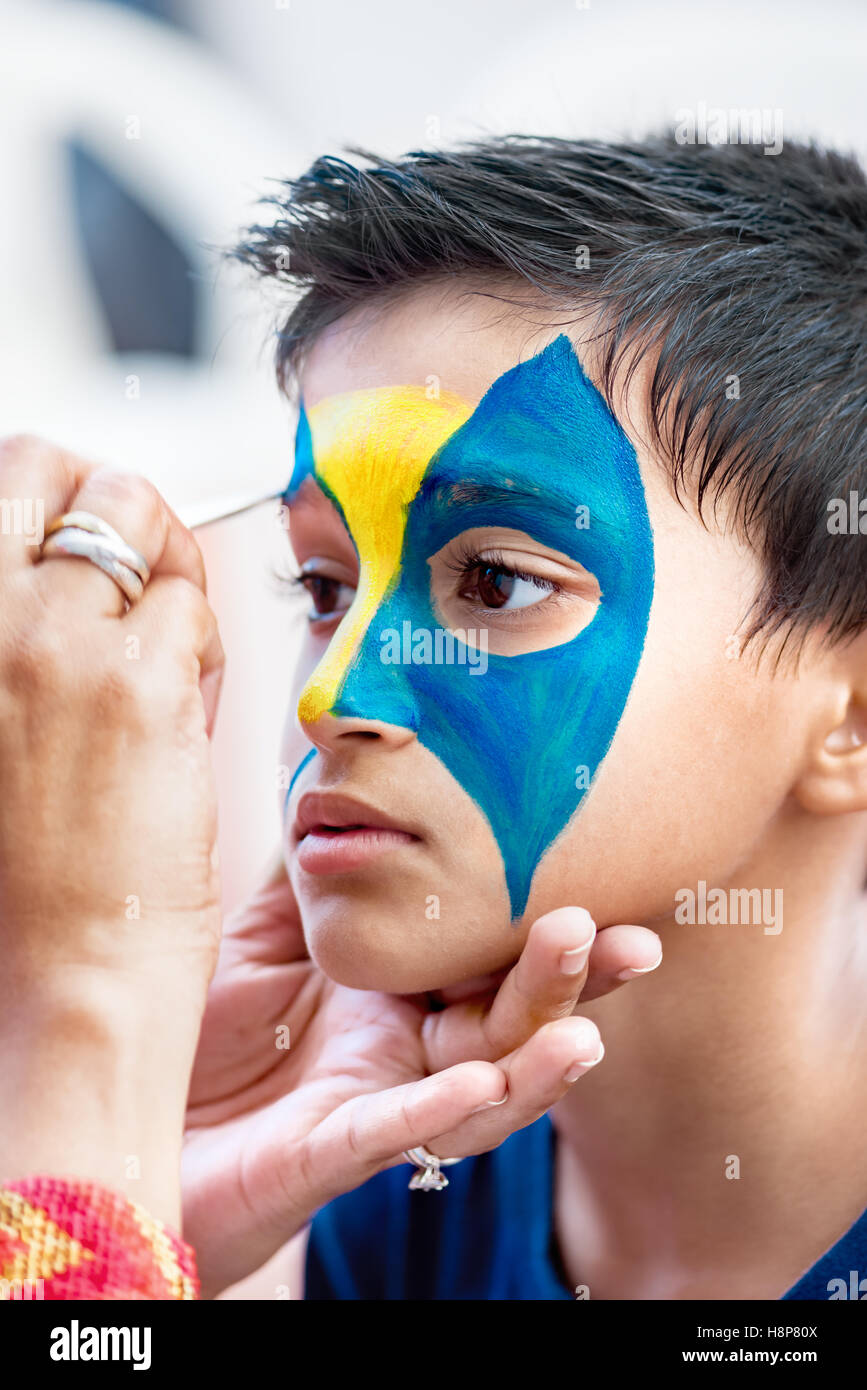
{"points": [[65, 1238]]}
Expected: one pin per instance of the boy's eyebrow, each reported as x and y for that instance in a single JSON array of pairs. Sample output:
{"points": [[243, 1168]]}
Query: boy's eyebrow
{"points": [[469, 492]]}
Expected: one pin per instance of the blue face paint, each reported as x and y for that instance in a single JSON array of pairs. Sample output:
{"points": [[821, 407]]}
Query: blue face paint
{"points": [[308, 758], [540, 444]]}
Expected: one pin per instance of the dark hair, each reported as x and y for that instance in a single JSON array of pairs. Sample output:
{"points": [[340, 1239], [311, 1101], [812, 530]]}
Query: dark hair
{"points": [[719, 260]]}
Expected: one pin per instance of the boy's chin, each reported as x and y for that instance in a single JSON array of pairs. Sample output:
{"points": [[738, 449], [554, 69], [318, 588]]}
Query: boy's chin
{"points": [[379, 950]]}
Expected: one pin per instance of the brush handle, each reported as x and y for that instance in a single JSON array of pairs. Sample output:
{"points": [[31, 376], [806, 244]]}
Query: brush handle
{"points": [[205, 513]]}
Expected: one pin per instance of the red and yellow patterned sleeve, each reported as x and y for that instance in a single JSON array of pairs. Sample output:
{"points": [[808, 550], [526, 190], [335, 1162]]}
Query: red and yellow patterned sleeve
{"points": [[69, 1239]]}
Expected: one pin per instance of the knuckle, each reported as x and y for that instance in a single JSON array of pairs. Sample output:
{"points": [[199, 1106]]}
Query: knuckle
{"points": [[21, 446], [304, 1174], [180, 596], [20, 454], [23, 452], [187, 610], [407, 1116], [132, 491], [293, 1184], [524, 985], [564, 1008], [353, 1137]]}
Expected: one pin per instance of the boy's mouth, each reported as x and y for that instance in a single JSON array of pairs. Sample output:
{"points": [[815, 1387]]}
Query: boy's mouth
{"points": [[335, 833]]}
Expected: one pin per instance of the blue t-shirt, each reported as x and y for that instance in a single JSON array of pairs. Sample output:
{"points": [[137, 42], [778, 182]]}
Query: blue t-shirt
{"points": [[489, 1235]]}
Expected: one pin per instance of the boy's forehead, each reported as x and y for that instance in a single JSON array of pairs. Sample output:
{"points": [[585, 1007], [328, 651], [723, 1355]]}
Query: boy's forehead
{"points": [[455, 341], [440, 339]]}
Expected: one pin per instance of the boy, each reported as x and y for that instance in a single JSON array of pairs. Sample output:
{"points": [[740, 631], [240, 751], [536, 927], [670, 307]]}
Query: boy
{"points": [[592, 409]]}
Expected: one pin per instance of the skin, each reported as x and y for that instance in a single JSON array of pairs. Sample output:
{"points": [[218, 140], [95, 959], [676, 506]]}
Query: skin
{"points": [[723, 768], [111, 928]]}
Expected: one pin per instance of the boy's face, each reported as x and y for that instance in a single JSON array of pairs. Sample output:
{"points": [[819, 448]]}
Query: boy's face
{"points": [[522, 664]]}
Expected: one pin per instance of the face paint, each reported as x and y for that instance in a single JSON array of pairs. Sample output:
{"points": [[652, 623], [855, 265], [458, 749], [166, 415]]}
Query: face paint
{"points": [[408, 475], [372, 450]]}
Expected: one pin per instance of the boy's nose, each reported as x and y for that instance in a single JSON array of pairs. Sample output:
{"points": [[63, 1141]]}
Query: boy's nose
{"points": [[330, 732]]}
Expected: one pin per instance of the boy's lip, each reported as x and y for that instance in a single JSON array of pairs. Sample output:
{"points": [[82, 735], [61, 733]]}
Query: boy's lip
{"points": [[329, 812]]}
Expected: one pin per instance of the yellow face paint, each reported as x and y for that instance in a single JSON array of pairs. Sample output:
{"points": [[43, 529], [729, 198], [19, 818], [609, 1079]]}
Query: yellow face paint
{"points": [[371, 450]]}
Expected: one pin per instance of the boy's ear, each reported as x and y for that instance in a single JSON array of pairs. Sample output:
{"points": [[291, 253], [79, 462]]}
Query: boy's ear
{"points": [[835, 780]]}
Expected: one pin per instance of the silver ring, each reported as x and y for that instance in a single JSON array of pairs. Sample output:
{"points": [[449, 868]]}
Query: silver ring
{"points": [[88, 537], [86, 521], [428, 1178], [82, 544]]}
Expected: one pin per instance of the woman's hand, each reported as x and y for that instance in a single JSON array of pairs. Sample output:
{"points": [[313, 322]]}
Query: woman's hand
{"points": [[303, 1089], [108, 880]]}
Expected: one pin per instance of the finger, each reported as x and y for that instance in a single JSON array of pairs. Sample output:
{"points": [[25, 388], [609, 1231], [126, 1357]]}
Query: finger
{"points": [[175, 616], [38, 479], [173, 621], [544, 984], [620, 954], [369, 1132], [538, 1074], [142, 517]]}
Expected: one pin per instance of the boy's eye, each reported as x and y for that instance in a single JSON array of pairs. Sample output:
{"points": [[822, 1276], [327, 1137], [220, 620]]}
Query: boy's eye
{"points": [[330, 597], [496, 586], [527, 597]]}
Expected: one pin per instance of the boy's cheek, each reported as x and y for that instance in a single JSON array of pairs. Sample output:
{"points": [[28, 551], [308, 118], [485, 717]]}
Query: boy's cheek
{"points": [[703, 760]]}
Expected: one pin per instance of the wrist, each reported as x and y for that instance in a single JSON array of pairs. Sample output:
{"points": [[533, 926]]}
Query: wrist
{"points": [[95, 1077]]}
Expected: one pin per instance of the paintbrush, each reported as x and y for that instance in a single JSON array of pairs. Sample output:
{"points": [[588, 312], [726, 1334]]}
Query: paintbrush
{"points": [[204, 513]]}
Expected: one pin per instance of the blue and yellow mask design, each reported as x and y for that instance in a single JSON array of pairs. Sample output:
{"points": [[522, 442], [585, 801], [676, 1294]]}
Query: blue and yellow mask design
{"points": [[408, 474]]}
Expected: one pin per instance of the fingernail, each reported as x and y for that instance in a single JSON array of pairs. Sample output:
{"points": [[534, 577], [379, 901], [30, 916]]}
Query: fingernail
{"points": [[486, 1105], [633, 970], [573, 962], [579, 1067]]}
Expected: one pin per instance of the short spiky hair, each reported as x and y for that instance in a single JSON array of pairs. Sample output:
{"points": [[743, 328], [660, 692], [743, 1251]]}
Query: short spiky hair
{"points": [[718, 260]]}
